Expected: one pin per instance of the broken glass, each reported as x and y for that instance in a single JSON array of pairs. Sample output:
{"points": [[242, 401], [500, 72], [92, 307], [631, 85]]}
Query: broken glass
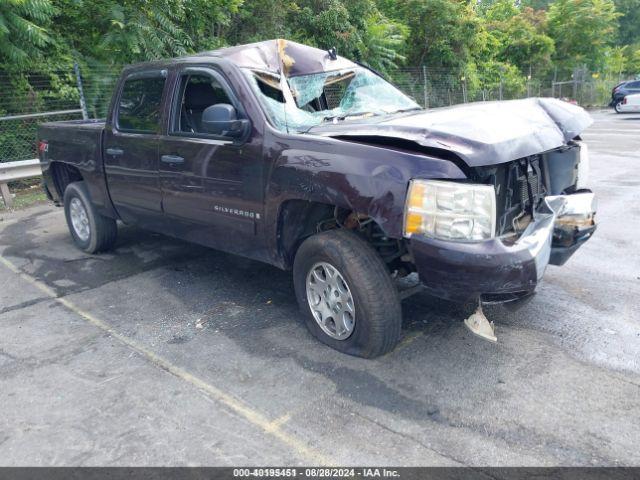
{"points": [[326, 96]]}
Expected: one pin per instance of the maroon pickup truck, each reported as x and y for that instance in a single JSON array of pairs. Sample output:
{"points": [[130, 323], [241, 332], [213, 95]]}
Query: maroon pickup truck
{"points": [[298, 157]]}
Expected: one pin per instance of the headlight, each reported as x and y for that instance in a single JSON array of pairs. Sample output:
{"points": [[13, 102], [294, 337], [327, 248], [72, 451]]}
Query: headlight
{"points": [[450, 211], [583, 167]]}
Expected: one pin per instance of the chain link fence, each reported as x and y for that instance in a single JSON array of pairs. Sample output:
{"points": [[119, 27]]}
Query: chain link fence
{"points": [[439, 88], [30, 99]]}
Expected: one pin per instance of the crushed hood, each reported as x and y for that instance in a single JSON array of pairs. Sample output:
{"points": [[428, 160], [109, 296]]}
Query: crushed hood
{"points": [[481, 134]]}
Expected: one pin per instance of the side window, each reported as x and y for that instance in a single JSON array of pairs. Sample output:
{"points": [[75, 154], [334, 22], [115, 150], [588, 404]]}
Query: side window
{"points": [[634, 85], [139, 107], [197, 92]]}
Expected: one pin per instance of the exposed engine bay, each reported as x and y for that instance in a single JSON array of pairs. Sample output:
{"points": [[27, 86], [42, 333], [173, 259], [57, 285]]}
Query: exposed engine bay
{"points": [[521, 185]]}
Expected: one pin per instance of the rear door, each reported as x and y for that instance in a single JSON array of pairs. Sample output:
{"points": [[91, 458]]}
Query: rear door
{"points": [[131, 147], [212, 186]]}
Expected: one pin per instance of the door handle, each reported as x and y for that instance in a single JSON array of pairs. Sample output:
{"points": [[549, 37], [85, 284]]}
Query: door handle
{"points": [[115, 151], [172, 159]]}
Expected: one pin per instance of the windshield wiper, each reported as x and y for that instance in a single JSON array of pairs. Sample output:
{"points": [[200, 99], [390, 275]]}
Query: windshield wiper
{"points": [[404, 110], [371, 114], [347, 115]]}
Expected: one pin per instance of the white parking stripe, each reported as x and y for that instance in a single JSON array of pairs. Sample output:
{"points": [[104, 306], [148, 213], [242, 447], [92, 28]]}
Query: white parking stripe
{"points": [[272, 427]]}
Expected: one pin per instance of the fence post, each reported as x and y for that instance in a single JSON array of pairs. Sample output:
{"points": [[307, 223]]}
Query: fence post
{"points": [[6, 195], [83, 103], [424, 87], [464, 90]]}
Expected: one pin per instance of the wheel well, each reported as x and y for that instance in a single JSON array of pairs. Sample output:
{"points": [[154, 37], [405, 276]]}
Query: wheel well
{"points": [[300, 219], [63, 175]]}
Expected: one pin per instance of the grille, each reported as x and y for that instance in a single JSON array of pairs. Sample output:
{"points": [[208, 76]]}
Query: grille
{"points": [[519, 191]]}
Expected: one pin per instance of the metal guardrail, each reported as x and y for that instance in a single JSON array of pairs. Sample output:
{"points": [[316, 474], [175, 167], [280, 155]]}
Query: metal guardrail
{"points": [[11, 171]]}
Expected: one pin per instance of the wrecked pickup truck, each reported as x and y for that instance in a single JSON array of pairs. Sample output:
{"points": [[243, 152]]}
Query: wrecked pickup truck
{"points": [[300, 158]]}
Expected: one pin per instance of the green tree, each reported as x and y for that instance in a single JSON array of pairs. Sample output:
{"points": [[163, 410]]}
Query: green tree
{"points": [[632, 59], [500, 77], [125, 31], [257, 20], [520, 35], [481, 44], [327, 23], [357, 28], [382, 43], [582, 31], [206, 22], [23, 33], [537, 4], [497, 10], [146, 31], [443, 33], [121, 31], [629, 21]]}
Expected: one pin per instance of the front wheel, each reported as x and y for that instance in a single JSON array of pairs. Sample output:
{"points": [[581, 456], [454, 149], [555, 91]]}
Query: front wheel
{"points": [[346, 294], [90, 231], [618, 106]]}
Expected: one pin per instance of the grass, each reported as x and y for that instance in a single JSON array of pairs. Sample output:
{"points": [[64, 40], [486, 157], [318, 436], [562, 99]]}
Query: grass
{"points": [[25, 196]]}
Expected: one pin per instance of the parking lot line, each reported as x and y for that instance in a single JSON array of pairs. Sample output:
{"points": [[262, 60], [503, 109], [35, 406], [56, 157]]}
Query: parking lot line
{"points": [[271, 427]]}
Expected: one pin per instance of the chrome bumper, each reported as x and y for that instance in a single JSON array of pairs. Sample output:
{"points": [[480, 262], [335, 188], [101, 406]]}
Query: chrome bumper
{"points": [[560, 226], [574, 223]]}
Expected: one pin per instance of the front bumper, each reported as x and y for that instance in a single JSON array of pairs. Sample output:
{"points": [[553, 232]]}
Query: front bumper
{"points": [[499, 270]]}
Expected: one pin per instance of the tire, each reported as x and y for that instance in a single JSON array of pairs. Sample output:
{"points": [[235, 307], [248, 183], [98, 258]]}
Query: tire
{"points": [[616, 107], [94, 233], [377, 315]]}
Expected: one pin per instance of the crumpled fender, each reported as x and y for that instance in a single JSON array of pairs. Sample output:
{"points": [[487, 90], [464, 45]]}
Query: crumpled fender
{"points": [[367, 179]]}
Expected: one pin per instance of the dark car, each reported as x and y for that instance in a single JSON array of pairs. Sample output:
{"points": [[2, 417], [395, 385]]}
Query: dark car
{"points": [[297, 157], [622, 90]]}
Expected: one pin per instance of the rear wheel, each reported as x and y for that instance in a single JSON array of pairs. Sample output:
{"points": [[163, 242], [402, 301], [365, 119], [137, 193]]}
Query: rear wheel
{"points": [[90, 231], [346, 294], [618, 106]]}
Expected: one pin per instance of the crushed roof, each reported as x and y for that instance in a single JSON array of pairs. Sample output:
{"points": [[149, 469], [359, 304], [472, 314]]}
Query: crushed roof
{"points": [[279, 54]]}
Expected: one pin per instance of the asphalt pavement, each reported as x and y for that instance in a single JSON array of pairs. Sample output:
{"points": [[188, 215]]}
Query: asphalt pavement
{"points": [[166, 353]]}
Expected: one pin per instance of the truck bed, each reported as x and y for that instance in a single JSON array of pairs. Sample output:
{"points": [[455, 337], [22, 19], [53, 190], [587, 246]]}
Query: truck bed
{"points": [[77, 143]]}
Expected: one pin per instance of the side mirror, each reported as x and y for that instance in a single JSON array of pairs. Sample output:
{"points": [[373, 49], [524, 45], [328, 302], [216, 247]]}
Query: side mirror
{"points": [[222, 119]]}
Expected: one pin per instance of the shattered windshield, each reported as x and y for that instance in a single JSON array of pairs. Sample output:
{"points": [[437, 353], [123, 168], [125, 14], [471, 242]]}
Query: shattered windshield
{"points": [[305, 101]]}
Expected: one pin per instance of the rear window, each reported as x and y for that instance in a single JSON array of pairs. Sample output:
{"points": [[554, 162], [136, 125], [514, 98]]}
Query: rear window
{"points": [[139, 107]]}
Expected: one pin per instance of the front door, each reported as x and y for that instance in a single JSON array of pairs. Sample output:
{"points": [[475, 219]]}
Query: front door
{"points": [[131, 148], [212, 185]]}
